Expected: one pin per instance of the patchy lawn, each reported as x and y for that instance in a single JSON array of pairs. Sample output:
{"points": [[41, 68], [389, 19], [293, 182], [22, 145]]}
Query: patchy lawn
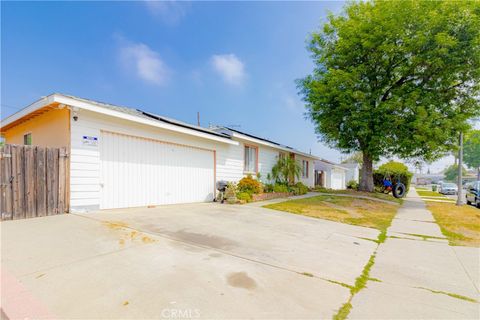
{"points": [[461, 225], [356, 211], [377, 195], [433, 196], [429, 193]]}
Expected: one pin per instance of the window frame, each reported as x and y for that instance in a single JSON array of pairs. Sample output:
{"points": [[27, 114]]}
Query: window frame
{"points": [[25, 136], [305, 169], [245, 169]]}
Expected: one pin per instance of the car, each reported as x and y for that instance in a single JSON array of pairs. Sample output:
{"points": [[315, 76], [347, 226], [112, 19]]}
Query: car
{"points": [[439, 186], [448, 188], [473, 194]]}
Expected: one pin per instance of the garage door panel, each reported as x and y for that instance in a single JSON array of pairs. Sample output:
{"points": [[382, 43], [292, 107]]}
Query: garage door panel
{"points": [[140, 172], [337, 180]]}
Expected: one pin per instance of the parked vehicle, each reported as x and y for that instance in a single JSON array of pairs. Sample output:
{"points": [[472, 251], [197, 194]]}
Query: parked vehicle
{"points": [[448, 188], [439, 185], [473, 194]]}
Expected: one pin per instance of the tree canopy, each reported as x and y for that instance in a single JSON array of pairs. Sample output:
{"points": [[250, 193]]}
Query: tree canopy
{"points": [[451, 173], [395, 78], [471, 151]]}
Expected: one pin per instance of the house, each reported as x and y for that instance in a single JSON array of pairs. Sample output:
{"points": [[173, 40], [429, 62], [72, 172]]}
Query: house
{"points": [[353, 171], [330, 175], [123, 157]]}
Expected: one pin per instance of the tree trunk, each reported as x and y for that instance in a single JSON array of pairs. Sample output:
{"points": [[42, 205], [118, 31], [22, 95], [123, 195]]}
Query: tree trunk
{"points": [[366, 180]]}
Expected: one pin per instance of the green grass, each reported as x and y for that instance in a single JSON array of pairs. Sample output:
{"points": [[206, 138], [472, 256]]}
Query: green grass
{"points": [[428, 193], [453, 295], [307, 274], [354, 211], [424, 237], [343, 312], [361, 281]]}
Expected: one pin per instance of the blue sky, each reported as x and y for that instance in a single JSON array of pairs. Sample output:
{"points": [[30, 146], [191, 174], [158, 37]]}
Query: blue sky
{"points": [[234, 62]]}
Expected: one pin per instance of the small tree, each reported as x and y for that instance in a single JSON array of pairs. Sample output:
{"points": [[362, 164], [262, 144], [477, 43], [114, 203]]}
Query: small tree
{"points": [[471, 151], [286, 170], [451, 173]]}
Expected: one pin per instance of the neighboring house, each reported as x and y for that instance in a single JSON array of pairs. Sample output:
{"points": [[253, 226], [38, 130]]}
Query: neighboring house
{"points": [[353, 171], [330, 175], [122, 157]]}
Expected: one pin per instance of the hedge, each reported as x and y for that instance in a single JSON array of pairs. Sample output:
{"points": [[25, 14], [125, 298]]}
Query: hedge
{"points": [[394, 171]]}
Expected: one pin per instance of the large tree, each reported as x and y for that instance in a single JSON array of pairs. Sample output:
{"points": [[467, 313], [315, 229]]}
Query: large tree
{"points": [[395, 79], [471, 151]]}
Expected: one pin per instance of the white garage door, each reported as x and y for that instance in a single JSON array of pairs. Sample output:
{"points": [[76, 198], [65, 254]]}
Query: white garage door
{"points": [[139, 172], [337, 180]]}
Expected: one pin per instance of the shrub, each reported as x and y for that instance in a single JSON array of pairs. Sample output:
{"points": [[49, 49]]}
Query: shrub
{"points": [[299, 189], [250, 185], [280, 188], [244, 196], [268, 187], [352, 184], [294, 190], [231, 190], [286, 170], [394, 171]]}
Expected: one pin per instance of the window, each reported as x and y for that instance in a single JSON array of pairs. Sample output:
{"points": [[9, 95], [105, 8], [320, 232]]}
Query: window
{"points": [[304, 169], [251, 154], [27, 139], [281, 155]]}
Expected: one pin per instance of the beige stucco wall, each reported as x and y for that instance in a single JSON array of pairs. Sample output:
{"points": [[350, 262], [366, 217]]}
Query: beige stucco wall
{"points": [[50, 129]]}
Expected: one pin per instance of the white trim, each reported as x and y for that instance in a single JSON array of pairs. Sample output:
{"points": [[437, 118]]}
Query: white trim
{"points": [[29, 109], [92, 107], [272, 145]]}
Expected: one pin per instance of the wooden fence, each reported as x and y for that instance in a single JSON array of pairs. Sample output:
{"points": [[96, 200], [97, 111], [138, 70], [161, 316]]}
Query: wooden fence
{"points": [[34, 181]]}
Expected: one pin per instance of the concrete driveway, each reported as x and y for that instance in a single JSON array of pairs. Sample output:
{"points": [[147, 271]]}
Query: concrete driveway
{"points": [[185, 261]]}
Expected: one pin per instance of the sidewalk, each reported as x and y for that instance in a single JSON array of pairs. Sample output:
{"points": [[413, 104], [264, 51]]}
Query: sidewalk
{"points": [[421, 276]]}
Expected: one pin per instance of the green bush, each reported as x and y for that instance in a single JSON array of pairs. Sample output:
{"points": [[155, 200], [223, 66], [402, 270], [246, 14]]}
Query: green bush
{"points": [[268, 187], [299, 189], [434, 187], [394, 171], [244, 196], [352, 184], [280, 188], [250, 185]]}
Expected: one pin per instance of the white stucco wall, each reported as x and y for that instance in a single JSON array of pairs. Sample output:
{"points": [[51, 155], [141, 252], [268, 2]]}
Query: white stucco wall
{"points": [[352, 173]]}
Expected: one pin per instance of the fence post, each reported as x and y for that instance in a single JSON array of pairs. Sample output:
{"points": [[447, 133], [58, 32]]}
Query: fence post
{"points": [[30, 207], [41, 182], [18, 183]]}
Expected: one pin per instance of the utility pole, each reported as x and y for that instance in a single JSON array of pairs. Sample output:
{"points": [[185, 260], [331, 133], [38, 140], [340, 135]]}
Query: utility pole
{"points": [[198, 119], [460, 167]]}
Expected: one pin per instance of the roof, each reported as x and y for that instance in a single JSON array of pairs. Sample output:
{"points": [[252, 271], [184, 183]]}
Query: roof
{"points": [[132, 114], [147, 115], [333, 164], [239, 134]]}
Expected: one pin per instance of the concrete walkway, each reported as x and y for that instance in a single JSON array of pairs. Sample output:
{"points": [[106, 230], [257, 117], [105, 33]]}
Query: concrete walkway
{"points": [[421, 276]]}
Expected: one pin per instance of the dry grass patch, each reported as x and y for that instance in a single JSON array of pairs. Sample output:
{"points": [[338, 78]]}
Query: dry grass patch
{"points": [[355, 211], [461, 225], [377, 195]]}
